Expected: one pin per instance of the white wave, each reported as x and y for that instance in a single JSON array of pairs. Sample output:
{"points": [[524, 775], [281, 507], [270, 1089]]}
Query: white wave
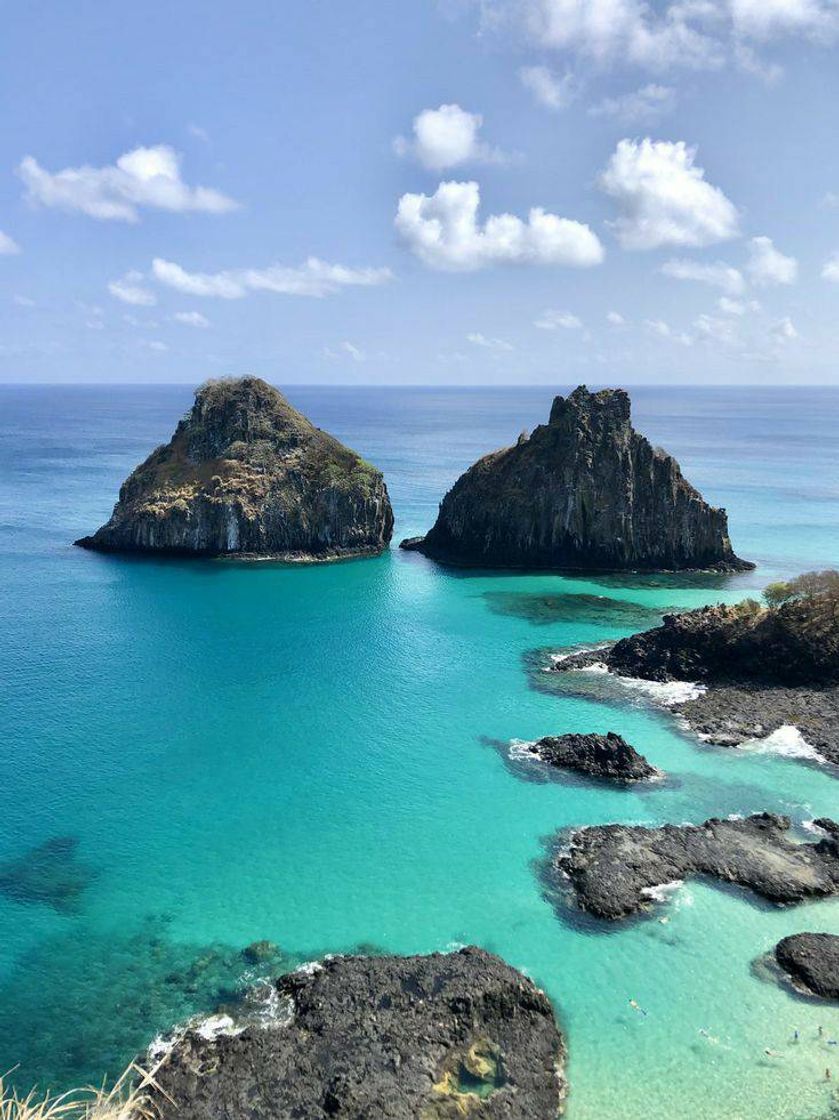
{"points": [[216, 1025], [309, 968], [520, 748], [787, 741], [667, 693], [664, 891]]}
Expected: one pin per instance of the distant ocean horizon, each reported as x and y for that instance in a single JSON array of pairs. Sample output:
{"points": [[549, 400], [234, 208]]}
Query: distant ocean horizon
{"points": [[198, 755]]}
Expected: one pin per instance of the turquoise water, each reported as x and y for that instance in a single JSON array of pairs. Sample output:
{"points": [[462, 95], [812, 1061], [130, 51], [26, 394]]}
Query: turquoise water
{"points": [[311, 755]]}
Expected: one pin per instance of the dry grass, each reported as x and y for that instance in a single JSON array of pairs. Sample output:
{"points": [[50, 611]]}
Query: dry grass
{"points": [[129, 1098]]}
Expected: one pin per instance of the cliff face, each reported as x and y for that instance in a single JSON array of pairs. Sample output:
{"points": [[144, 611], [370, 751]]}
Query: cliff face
{"points": [[247, 474], [397, 1038], [584, 491]]}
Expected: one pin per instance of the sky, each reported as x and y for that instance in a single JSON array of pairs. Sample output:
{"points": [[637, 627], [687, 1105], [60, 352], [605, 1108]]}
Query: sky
{"points": [[450, 192]]}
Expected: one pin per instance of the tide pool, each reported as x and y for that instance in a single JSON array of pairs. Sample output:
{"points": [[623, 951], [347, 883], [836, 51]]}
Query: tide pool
{"points": [[311, 755]]}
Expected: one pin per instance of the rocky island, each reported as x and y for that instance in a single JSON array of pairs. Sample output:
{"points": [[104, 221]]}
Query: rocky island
{"points": [[762, 668], [410, 1038], [606, 757], [615, 869], [811, 961], [245, 474], [583, 492]]}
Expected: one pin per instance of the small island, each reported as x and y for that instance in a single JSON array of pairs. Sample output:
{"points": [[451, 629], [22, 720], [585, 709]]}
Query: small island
{"points": [[404, 1038], [761, 667], [246, 474], [583, 492], [811, 961], [604, 757], [615, 870]]}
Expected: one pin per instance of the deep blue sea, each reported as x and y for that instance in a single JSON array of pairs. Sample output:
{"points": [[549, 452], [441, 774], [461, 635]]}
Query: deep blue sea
{"points": [[196, 755]]}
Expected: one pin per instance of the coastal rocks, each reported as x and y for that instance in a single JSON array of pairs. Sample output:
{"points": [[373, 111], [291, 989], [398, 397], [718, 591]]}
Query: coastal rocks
{"points": [[607, 757], [763, 671], [245, 474], [616, 869], [811, 960], [412, 1038], [584, 491]]}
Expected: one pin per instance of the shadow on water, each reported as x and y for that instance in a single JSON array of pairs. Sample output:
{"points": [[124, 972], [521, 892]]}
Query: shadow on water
{"points": [[567, 607], [50, 874], [81, 1004]]}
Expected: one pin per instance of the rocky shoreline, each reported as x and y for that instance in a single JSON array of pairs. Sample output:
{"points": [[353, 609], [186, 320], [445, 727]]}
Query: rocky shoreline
{"points": [[400, 1038], [615, 870], [604, 757]]}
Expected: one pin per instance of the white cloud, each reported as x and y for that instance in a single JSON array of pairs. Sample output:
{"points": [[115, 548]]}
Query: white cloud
{"points": [[663, 330], [143, 177], [784, 330], [718, 275], [764, 19], [664, 198], [831, 269], [191, 319], [313, 278], [447, 137], [443, 231], [154, 344], [548, 88], [8, 247], [615, 319], [345, 348], [642, 106], [555, 320], [23, 301], [731, 306], [712, 329], [130, 289], [497, 344], [768, 266]]}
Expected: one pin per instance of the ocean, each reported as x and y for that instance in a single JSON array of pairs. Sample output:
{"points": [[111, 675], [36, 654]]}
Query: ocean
{"points": [[197, 755]]}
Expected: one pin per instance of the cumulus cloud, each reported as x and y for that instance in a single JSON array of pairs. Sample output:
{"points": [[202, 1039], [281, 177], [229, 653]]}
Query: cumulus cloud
{"points": [[763, 19], [718, 275], [831, 269], [313, 278], [8, 247], [710, 328], [191, 319], [642, 106], [444, 232], [661, 329], [497, 344], [558, 320], [784, 330], [549, 89], [142, 178], [615, 319], [131, 289], [664, 198], [768, 266], [447, 137]]}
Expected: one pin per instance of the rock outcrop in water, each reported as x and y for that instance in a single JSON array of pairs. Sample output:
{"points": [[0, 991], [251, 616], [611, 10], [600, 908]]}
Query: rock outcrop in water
{"points": [[763, 670], [614, 868], [245, 474], [606, 757], [412, 1038], [584, 491], [811, 960]]}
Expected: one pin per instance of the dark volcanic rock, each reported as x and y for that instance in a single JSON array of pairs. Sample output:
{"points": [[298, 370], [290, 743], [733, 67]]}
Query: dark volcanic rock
{"points": [[246, 474], [585, 491], [413, 1038], [600, 756], [763, 669], [614, 867], [812, 960]]}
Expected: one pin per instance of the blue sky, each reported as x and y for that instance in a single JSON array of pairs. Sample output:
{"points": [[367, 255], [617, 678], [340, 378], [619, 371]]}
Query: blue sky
{"points": [[316, 192]]}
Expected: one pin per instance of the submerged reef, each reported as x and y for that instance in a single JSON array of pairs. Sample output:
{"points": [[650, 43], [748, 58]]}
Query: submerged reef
{"points": [[245, 474], [435, 1037], [615, 869], [583, 492], [50, 874]]}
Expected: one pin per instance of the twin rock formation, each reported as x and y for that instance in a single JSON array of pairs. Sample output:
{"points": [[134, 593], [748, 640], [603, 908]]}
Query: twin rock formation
{"points": [[245, 474]]}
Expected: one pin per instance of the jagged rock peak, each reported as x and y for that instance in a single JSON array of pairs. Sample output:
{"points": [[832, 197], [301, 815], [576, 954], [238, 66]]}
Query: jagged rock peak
{"points": [[246, 474], [584, 492]]}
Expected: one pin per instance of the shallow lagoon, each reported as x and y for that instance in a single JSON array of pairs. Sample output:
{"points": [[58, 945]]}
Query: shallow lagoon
{"points": [[306, 755]]}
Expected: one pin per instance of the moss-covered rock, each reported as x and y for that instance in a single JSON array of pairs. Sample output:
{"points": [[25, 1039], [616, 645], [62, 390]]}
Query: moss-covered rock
{"points": [[246, 474]]}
